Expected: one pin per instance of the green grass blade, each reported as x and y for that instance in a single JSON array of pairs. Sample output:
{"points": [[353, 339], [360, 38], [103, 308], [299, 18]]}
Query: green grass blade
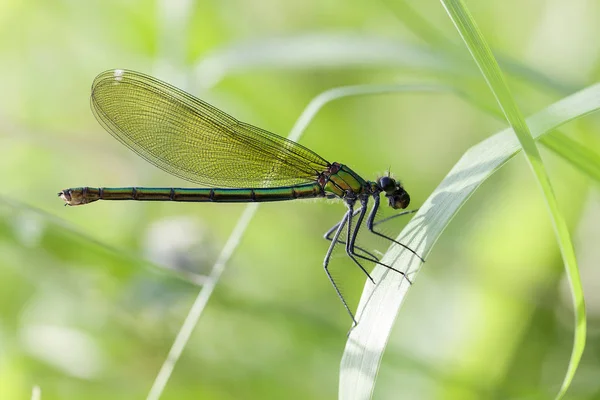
{"points": [[379, 304], [482, 54], [582, 158], [318, 102], [326, 50]]}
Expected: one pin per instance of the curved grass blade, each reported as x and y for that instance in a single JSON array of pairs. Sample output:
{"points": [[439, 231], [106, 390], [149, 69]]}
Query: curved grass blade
{"points": [[482, 54], [325, 50], [379, 304]]}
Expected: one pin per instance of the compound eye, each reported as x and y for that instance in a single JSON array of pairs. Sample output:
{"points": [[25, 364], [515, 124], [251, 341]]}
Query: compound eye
{"points": [[387, 184], [401, 200]]}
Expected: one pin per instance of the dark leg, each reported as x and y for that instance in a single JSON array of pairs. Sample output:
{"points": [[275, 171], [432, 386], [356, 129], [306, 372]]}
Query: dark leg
{"points": [[334, 241], [371, 225], [381, 221], [327, 236], [352, 239], [369, 256]]}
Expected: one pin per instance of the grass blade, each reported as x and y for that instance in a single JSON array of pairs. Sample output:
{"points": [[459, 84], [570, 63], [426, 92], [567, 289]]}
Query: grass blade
{"points": [[582, 158], [482, 54]]}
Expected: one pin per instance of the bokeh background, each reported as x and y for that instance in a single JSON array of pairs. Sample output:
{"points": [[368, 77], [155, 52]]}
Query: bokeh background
{"points": [[91, 298]]}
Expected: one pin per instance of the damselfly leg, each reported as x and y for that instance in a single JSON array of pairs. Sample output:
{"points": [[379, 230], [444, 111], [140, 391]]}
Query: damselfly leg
{"points": [[351, 248]]}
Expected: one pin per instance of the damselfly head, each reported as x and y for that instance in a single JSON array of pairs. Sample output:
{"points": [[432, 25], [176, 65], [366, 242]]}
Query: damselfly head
{"points": [[397, 196]]}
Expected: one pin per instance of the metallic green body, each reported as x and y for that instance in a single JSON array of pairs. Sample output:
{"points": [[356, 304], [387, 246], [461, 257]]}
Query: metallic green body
{"points": [[340, 182], [85, 195]]}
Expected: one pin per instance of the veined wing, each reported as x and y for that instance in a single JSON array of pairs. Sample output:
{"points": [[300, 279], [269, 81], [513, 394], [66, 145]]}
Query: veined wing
{"points": [[193, 140]]}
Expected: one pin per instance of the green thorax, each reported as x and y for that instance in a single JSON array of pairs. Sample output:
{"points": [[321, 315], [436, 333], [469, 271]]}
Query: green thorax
{"points": [[340, 180]]}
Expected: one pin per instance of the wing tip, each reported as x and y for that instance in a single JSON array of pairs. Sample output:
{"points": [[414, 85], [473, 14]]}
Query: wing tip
{"points": [[111, 75]]}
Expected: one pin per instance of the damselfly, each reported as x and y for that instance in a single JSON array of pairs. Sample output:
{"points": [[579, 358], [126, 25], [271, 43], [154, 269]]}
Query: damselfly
{"points": [[237, 161]]}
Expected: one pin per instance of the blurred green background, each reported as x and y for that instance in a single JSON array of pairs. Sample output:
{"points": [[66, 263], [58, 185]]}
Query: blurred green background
{"points": [[92, 297]]}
